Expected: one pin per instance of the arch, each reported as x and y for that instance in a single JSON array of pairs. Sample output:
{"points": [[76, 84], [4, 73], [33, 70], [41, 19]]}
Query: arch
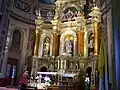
{"points": [[88, 69], [43, 69], [88, 72], [20, 37], [87, 33], [16, 40], [43, 36], [62, 41]]}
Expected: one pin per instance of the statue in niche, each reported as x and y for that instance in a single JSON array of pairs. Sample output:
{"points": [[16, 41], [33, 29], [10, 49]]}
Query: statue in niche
{"points": [[46, 46], [51, 67], [76, 65], [91, 44], [68, 46], [56, 65], [71, 65]]}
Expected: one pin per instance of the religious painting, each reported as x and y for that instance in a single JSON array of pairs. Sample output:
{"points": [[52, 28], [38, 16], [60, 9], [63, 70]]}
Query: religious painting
{"points": [[91, 44], [46, 46], [16, 40]]}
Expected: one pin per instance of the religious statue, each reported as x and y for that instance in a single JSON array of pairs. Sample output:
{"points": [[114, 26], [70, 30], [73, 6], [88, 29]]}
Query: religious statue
{"points": [[76, 65], [68, 46], [46, 46], [91, 45], [51, 67], [38, 13], [71, 65]]}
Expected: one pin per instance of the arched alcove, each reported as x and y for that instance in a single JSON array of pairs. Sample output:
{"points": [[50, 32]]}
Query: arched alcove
{"points": [[89, 42], [41, 44], [68, 37], [16, 39]]}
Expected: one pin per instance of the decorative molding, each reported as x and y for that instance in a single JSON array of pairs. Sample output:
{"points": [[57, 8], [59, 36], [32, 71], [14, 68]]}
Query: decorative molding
{"points": [[22, 6], [21, 19]]}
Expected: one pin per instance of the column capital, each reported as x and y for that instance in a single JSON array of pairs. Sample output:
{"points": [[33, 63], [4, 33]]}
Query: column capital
{"points": [[38, 22], [55, 25], [54, 22], [96, 14]]}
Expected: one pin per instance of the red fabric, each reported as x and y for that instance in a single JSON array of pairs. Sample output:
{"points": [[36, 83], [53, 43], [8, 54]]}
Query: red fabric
{"points": [[25, 79]]}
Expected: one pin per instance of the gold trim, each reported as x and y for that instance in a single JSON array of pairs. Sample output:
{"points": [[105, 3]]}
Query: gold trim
{"points": [[36, 47], [95, 38]]}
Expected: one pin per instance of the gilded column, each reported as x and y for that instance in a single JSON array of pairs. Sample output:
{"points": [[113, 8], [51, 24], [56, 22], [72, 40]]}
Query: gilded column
{"points": [[57, 43], [95, 38], [37, 39], [55, 37], [81, 22], [96, 14], [38, 23], [80, 42], [55, 22]]}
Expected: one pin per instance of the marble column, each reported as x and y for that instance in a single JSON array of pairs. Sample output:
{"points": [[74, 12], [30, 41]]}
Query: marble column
{"points": [[34, 67], [54, 44], [5, 57], [80, 42], [55, 37], [57, 44]]}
